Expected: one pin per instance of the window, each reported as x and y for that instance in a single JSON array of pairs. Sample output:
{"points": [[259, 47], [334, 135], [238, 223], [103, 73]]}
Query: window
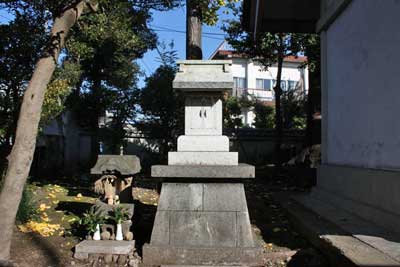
{"points": [[283, 84], [239, 82], [292, 85], [264, 84]]}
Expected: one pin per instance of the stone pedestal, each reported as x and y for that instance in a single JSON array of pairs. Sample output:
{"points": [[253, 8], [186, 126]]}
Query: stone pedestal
{"points": [[203, 219]]}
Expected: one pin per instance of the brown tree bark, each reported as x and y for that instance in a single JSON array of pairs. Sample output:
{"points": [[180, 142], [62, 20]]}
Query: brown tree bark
{"points": [[20, 158], [278, 108], [193, 30]]}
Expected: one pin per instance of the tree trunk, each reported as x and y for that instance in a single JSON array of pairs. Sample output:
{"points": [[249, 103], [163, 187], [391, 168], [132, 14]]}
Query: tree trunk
{"points": [[193, 30], [278, 108], [20, 158]]}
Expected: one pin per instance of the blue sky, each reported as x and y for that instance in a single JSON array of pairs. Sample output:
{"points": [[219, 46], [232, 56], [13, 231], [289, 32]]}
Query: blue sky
{"points": [[176, 19], [162, 22]]}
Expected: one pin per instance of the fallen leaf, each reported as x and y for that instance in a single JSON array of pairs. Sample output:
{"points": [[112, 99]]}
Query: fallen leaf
{"points": [[276, 229]]}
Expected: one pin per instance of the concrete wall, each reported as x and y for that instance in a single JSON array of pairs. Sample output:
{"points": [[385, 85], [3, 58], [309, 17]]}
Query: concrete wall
{"points": [[362, 86]]}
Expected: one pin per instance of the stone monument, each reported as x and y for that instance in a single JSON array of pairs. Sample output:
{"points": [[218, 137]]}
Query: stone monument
{"points": [[202, 216]]}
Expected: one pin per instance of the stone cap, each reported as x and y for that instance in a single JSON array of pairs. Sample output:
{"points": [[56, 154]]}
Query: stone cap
{"points": [[203, 171], [124, 164], [204, 75]]}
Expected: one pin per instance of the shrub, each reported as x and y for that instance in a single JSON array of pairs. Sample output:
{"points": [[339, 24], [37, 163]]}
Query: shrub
{"points": [[27, 207]]}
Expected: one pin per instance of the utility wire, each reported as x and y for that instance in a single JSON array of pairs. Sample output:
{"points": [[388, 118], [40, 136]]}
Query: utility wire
{"points": [[170, 29], [183, 32], [146, 66]]}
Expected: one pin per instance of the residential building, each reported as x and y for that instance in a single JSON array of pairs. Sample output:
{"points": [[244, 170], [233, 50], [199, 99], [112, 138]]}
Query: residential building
{"points": [[255, 82]]}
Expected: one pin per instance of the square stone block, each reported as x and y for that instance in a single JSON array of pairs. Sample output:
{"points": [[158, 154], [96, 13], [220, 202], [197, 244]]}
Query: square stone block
{"points": [[204, 229], [203, 158], [203, 143], [180, 196], [224, 197]]}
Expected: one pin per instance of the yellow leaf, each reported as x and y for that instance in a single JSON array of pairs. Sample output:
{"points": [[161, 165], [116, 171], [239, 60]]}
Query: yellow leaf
{"points": [[276, 229]]}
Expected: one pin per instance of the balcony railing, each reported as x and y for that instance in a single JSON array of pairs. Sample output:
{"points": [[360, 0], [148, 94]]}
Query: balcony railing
{"points": [[253, 93]]}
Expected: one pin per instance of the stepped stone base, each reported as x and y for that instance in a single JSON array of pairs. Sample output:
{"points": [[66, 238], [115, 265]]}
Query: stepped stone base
{"points": [[86, 247], [203, 171], [203, 158], [202, 224], [183, 256], [203, 143]]}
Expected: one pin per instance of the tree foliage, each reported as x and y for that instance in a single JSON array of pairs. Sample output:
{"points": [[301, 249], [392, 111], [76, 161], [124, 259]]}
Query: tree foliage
{"points": [[264, 116], [161, 105], [268, 48]]}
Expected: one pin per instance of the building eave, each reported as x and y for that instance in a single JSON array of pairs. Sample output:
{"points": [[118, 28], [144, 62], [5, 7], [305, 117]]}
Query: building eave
{"points": [[299, 16]]}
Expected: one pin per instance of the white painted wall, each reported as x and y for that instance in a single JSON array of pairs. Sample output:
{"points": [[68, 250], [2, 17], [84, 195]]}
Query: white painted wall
{"points": [[246, 68], [363, 86]]}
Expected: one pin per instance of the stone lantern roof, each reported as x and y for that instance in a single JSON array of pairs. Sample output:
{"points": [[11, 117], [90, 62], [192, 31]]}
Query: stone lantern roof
{"points": [[204, 76]]}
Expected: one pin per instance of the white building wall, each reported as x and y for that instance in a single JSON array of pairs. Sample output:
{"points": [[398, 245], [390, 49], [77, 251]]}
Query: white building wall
{"points": [[246, 68], [363, 89]]}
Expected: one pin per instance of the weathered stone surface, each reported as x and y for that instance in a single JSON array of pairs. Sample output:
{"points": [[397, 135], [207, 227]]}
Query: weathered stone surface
{"points": [[204, 75], [207, 215], [203, 143], [243, 230], [203, 229], [203, 114], [167, 255], [192, 171], [104, 247], [81, 255], [108, 258], [160, 233], [124, 164], [203, 158], [224, 197], [104, 209], [179, 196]]}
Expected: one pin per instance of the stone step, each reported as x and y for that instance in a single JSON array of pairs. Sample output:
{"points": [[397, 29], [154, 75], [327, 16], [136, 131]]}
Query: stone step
{"points": [[310, 216], [203, 158], [86, 247]]}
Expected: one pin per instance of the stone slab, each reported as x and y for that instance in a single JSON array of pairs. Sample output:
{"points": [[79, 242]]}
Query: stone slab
{"points": [[168, 255], [160, 234], [340, 246], [243, 230], [180, 196], [203, 158], [203, 114], [382, 239], [224, 197], [204, 171], [104, 247], [204, 75], [124, 164], [203, 229], [203, 143]]}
